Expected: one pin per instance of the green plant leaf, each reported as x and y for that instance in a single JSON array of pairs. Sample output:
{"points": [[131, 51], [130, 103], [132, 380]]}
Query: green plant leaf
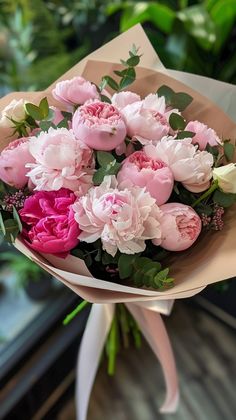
{"points": [[44, 108], [177, 122], [167, 92], [17, 219], [125, 265], [2, 226], [128, 78], [133, 61], [99, 176], [229, 150], [33, 111], [105, 98], [224, 199], [104, 158], [181, 101], [185, 134], [111, 82]]}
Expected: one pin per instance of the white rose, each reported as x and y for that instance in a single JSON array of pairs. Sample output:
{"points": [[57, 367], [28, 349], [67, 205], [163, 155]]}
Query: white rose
{"points": [[226, 177], [15, 111]]}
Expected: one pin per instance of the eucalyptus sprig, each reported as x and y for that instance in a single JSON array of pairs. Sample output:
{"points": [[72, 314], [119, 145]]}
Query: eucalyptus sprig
{"points": [[144, 272], [108, 166], [127, 76]]}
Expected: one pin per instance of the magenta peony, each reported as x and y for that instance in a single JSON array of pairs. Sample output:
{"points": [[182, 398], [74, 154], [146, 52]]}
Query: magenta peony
{"points": [[75, 91], [12, 163], [144, 171], [99, 125], [48, 222], [180, 227]]}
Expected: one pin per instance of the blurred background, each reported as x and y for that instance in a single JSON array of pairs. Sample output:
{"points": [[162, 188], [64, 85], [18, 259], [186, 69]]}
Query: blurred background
{"points": [[39, 41]]}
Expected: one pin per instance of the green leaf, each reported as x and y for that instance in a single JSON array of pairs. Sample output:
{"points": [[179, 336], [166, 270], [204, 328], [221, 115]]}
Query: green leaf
{"points": [[33, 111], [139, 12], [167, 92], [160, 277], [2, 226], [133, 61], [45, 125], [63, 124], [177, 122], [125, 265], [111, 82], [224, 199], [229, 150], [185, 134], [104, 158], [105, 98], [17, 219], [128, 78], [44, 108], [198, 23], [181, 100], [99, 176]]}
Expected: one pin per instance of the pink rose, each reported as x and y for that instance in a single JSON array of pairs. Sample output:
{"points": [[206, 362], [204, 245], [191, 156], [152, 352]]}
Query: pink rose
{"points": [[61, 161], [48, 222], [180, 227], [189, 166], [151, 173], [122, 218], [99, 125], [204, 135], [75, 91], [12, 163], [121, 99], [147, 120]]}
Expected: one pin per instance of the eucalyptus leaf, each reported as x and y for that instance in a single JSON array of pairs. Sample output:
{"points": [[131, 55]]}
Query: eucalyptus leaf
{"points": [[224, 199], [181, 101], [111, 82], [167, 92], [185, 134], [17, 219], [33, 111], [104, 158], [177, 122], [229, 150], [125, 265], [44, 108], [128, 78]]}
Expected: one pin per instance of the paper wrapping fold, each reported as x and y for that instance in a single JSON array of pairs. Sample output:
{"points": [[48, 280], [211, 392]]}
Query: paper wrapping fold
{"points": [[212, 258]]}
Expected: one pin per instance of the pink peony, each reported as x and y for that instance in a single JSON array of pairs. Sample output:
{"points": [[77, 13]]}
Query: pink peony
{"points": [[61, 161], [12, 163], [48, 222], [191, 167], [147, 120], [180, 227], [121, 99], [203, 136], [75, 91], [122, 218], [144, 171], [99, 125]]}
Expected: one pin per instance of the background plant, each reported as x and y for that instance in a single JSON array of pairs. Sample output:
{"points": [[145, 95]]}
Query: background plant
{"points": [[195, 36]]}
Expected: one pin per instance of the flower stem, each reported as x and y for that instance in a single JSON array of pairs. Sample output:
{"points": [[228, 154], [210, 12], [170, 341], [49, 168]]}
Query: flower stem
{"points": [[206, 194], [75, 312], [112, 346]]}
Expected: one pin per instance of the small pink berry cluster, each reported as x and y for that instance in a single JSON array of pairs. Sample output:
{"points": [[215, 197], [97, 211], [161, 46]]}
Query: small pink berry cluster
{"points": [[16, 200], [214, 222]]}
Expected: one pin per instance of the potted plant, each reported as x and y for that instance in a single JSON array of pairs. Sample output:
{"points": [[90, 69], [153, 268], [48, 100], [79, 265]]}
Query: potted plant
{"points": [[36, 282]]}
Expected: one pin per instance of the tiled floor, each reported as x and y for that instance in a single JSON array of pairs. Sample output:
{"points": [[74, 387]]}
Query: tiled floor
{"points": [[206, 361]]}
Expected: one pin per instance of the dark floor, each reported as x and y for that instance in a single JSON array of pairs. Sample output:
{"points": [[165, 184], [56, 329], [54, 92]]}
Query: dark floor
{"points": [[206, 361]]}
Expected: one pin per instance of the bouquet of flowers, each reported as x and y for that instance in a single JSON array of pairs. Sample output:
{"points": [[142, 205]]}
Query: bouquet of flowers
{"points": [[111, 176]]}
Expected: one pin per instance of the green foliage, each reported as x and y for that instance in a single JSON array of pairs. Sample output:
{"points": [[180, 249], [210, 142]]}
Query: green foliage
{"points": [[144, 272], [179, 100], [224, 199], [127, 75], [177, 122], [229, 150], [108, 166], [24, 269]]}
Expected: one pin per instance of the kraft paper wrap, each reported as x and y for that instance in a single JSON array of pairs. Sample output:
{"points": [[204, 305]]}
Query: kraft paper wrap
{"points": [[212, 258]]}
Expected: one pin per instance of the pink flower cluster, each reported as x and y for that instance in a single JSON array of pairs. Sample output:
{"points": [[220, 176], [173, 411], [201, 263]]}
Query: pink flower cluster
{"points": [[57, 166]]}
